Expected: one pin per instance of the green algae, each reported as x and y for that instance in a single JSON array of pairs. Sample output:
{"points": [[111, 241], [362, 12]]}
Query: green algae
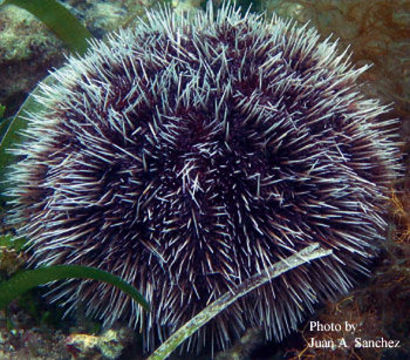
{"points": [[59, 20], [28, 279]]}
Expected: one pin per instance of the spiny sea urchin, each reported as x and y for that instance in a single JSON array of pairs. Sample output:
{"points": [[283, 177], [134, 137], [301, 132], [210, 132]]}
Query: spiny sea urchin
{"points": [[190, 153]]}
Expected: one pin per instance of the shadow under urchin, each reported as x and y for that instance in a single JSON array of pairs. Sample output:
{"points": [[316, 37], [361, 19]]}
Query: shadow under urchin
{"points": [[191, 152]]}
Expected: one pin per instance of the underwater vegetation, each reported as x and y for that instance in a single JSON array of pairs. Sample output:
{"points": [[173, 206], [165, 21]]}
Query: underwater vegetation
{"points": [[62, 22], [391, 274], [27, 280]]}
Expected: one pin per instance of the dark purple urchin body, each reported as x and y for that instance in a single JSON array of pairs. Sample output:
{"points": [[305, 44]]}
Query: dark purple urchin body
{"points": [[188, 154]]}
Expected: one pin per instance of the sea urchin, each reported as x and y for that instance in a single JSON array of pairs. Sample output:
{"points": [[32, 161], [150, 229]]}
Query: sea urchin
{"points": [[191, 152]]}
